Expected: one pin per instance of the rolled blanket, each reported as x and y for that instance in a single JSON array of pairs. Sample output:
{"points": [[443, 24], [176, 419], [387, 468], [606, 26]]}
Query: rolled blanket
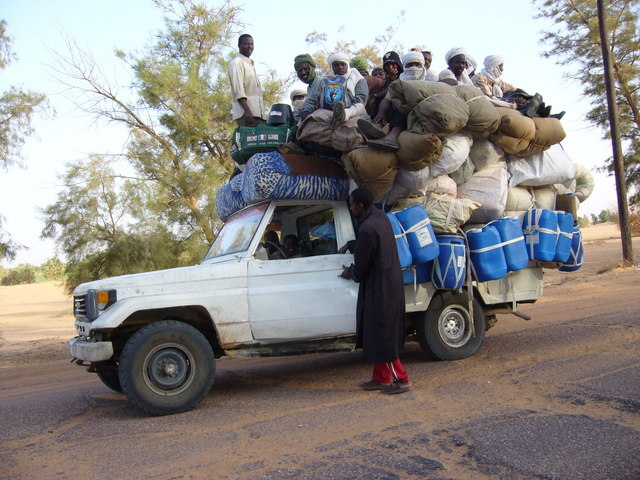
{"points": [[374, 169], [484, 119], [418, 150]]}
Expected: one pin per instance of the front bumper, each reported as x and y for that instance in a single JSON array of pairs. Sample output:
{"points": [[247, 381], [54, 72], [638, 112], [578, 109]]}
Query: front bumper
{"points": [[82, 349]]}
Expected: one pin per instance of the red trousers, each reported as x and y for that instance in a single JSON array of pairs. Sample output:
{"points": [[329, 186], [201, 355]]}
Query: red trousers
{"points": [[389, 372]]}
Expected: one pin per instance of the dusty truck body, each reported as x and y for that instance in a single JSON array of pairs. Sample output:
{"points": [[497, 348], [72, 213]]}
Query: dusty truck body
{"points": [[155, 336]]}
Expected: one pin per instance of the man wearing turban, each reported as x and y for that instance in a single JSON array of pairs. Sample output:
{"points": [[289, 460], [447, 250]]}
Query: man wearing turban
{"points": [[456, 74]]}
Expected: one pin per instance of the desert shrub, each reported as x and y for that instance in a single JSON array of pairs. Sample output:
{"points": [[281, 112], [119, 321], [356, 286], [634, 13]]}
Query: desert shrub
{"points": [[23, 273]]}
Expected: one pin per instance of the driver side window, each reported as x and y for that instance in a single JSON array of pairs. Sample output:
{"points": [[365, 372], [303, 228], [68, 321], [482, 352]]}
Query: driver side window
{"points": [[300, 231]]}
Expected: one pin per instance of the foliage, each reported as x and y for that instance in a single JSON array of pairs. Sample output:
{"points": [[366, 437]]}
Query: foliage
{"points": [[101, 224], [52, 269], [162, 212], [583, 221], [576, 42], [17, 108], [371, 52], [604, 216], [19, 275]]}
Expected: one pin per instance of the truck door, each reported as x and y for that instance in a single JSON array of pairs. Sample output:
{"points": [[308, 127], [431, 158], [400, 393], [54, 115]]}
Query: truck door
{"points": [[303, 297]]}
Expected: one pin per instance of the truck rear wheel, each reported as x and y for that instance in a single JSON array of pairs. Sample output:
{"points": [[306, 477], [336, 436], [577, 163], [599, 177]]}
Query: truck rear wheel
{"points": [[166, 367], [445, 330]]}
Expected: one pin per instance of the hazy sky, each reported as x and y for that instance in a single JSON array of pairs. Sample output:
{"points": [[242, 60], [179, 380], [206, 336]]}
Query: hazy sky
{"points": [[279, 28]]}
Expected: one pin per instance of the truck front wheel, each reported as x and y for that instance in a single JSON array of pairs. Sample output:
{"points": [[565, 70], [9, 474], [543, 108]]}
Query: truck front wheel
{"points": [[109, 376], [166, 367], [445, 331]]}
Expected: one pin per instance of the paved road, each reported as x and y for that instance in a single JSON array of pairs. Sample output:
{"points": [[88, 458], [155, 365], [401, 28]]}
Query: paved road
{"points": [[554, 398]]}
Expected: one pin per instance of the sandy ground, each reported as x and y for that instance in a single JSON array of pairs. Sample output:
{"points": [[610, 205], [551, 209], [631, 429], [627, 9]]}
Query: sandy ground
{"points": [[36, 319]]}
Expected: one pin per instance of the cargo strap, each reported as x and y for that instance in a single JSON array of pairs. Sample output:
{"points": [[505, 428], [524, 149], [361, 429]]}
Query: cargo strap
{"points": [[418, 226], [498, 245]]}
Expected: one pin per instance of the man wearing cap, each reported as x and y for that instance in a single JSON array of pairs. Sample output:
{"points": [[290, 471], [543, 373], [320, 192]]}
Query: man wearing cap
{"points": [[247, 104]]}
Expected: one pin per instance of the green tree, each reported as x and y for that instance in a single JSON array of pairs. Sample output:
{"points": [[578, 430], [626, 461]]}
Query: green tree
{"points": [[17, 108], [52, 269], [177, 112], [371, 52], [576, 42], [101, 223]]}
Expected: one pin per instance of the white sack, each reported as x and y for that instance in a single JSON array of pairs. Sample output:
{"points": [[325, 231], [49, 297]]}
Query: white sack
{"points": [[489, 188], [484, 153], [544, 168], [455, 150]]}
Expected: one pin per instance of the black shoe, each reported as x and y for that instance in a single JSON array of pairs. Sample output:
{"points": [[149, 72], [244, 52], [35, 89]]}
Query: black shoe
{"points": [[558, 115], [544, 111], [534, 105], [370, 129]]}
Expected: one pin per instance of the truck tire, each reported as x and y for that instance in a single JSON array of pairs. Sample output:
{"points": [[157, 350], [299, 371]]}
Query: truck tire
{"points": [[445, 332], [166, 367], [109, 376]]}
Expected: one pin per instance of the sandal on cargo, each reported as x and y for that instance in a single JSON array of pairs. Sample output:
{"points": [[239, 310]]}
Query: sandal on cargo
{"points": [[385, 145], [370, 129]]}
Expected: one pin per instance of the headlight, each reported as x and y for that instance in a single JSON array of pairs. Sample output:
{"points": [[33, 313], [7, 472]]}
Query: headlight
{"points": [[87, 306], [104, 298]]}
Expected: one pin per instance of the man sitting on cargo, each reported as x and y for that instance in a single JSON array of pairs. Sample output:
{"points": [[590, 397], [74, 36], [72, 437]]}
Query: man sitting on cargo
{"points": [[345, 94], [456, 74], [504, 94]]}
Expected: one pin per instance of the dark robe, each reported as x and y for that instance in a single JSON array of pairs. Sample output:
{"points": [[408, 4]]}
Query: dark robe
{"points": [[380, 309]]}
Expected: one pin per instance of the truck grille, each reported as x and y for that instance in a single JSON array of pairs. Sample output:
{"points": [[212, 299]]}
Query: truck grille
{"points": [[80, 305], [85, 306]]}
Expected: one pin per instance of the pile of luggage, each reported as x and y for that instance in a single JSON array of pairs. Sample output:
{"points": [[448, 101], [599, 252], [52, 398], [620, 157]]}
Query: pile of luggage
{"points": [[488, 179]]}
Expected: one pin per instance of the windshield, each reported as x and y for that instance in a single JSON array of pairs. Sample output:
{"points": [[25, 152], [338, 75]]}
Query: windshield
{"points": [[237, 232]]}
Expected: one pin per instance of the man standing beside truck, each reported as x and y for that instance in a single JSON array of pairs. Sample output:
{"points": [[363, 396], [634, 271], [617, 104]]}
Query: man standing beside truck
{"points": [[380, 307]]}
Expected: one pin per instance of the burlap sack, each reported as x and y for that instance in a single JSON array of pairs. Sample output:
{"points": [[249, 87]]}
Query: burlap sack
{"points": [[406, 94], [441, 114], [484, 119], [549, 131], [544, 197], [406, 202], [448, 213], [418, 150], [315, 128], [519, 199], [373, 169]]}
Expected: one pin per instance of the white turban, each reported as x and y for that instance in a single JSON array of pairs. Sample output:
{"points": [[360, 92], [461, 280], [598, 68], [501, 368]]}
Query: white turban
{"points": [[492, 71], [472, 64], [453, 52], [338, 57], [493, 61], [297, 93], [413, 57]]}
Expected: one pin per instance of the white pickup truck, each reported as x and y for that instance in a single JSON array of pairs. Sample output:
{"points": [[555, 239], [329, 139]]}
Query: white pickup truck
{"points": [[155, 336]]}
